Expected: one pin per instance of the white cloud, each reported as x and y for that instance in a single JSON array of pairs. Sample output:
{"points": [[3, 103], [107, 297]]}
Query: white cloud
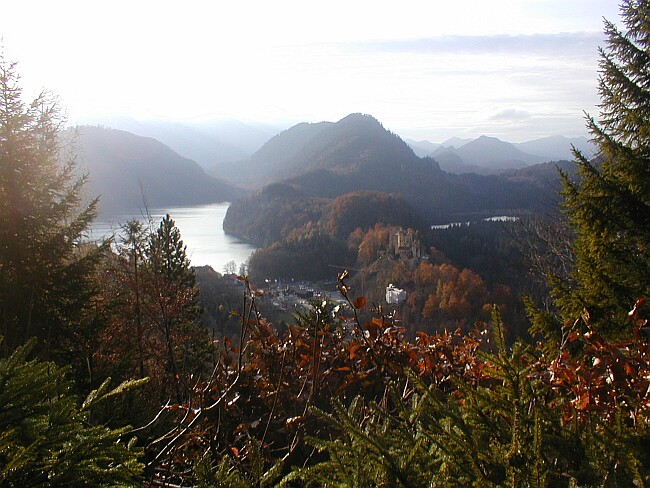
{"points": [[510, 114]]}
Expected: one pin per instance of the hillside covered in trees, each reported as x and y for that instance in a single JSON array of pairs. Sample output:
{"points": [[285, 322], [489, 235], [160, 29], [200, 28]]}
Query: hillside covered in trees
{"points": [[337, 178], [357, 154], [108, 377], [130, 171]]}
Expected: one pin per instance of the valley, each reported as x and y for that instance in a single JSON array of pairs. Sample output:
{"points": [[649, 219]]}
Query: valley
{"points": [[317, 198], [293, 245]]}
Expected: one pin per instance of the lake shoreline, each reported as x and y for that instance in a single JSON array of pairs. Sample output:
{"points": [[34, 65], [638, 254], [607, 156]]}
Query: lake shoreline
{"points": [[201, 228]]}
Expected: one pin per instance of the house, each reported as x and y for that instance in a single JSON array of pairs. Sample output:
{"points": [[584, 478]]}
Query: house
{"points": [[395, 295]]}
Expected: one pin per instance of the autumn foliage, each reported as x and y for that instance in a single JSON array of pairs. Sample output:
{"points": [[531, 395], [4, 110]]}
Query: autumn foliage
{"points": [[275, 390], [434, 391]]}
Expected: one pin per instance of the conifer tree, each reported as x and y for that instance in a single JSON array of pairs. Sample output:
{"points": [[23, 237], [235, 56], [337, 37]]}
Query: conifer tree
{"points": [[46, 438], [153, 321], [175, 310], [44, 282], [132, 251], [609, 204], [168, 253]]}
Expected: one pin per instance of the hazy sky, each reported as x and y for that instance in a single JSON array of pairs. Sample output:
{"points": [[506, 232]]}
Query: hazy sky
{"points": [[431, 69]]}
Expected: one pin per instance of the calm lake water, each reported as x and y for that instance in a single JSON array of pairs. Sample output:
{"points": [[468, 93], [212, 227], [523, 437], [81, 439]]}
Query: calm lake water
{"points": [[201, 229]]}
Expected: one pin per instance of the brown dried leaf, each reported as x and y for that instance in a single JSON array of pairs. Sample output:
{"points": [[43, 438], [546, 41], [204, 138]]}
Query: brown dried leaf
{"points": [[353, 350], [373, 328], [359, 303]]}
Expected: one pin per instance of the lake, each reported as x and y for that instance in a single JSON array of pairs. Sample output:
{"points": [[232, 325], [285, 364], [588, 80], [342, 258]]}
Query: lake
{"points": [[201, 229]]}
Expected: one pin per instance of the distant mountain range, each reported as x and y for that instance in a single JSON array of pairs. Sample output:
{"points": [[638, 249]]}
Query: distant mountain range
{"points": [[489, 155], [208, 142], [129, 171], [278, 158], [355, 142], [220, 145], [358, 154], [325, 160]]}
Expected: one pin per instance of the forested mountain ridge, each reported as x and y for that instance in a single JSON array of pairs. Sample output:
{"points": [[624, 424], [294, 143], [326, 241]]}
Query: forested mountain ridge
{"points": [[275, 159], [280, 210], [545, 176], [351, 392], [353, 143], [129, 171], [437, 195], [272, 213], [359, 154]]}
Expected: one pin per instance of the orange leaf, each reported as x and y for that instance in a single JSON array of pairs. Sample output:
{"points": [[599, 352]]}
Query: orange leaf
{"points": [[359, 303], [629, 369], [412, 355], [583, 401], [295, 331], [373, 329], [353, 350]]}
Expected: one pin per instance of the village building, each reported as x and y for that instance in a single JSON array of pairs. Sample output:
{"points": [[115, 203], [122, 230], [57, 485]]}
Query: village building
{"points": [[394, 295], [405, 244]]}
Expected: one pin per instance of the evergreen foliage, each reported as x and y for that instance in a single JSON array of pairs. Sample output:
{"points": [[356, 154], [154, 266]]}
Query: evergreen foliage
{"points": [[168, 254], [515, 426], [609, 203], [45, 436], [248, 469], [306, 255], [174, 306], [152, 312], [341, 397], [44, 282]]}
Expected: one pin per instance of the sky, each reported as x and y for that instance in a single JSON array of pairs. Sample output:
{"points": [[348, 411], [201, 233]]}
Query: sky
{"points": [[427, 69]]}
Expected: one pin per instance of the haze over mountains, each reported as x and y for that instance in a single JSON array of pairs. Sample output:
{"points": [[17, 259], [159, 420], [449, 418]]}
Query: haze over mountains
{"points": [[207, 142], [211, 143], [358, 154], [322, 160], [287, 152], [489, 155], [129, 172]]}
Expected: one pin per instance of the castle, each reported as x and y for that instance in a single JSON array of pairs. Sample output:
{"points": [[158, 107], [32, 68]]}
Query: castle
{"points": [[405, 244]]}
